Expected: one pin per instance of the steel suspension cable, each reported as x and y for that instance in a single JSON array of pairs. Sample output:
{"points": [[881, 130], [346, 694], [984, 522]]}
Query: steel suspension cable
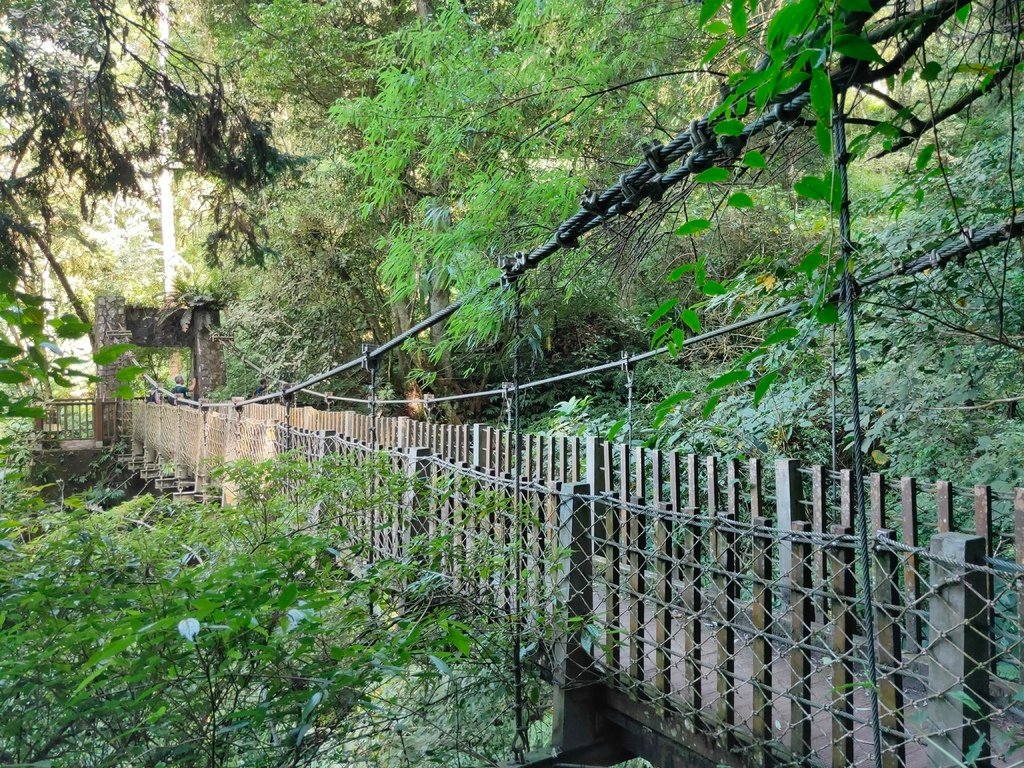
{"points": [[849, 299], [521, 740], [371, 365], [629, 371]]}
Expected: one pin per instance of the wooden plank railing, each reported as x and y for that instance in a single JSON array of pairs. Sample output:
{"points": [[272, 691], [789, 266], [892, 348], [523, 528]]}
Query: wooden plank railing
{"points": [[733, 603], [68, 419]]}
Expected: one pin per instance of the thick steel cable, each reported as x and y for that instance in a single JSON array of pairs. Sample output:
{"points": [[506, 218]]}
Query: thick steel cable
{"points": [[649, 179], [629, 396], [957, 247], [849, 291], [521, 740], [373, 406], [288, 403]]}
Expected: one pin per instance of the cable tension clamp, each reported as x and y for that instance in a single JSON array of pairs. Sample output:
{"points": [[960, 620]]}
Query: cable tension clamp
{"points": [[370, 362], [512, 267]]}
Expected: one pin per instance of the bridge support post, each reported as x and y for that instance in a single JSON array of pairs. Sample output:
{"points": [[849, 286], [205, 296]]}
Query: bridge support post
{"points": [[402, 437], [790, 509], [481, 445], [960, 652], [412, 522], [579, 728]]}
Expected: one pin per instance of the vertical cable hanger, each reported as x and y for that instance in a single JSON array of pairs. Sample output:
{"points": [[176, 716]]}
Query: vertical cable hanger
{"points": [[510, 268], [849, 299], [370, 363], [288, 401], [834, 376], [627, 369]]}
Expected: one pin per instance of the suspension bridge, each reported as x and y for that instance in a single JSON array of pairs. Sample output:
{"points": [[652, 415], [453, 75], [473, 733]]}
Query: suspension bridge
{"points": [[689, 610], [696, 611]]}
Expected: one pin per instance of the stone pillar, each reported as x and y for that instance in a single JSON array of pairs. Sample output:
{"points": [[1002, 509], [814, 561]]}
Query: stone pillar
{"points": [[109, 328], [207, 356]]}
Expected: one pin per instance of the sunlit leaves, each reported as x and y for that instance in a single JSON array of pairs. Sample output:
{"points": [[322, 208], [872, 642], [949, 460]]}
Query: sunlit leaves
{"points": [[821, 93], [712, 176], [730, 127], [828, 314], [727, 379], [708, 9], [738, 15], [662, 310], [691, 319], [924, 157], [111, 353], [763, 385], [754, 159], [693, 227]]}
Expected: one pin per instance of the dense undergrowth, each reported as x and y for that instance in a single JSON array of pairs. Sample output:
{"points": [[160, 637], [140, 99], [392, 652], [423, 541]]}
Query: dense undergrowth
{"points": [[154, 633]]}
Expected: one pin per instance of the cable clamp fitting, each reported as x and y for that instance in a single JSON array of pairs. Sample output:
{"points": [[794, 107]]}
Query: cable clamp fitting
{"points": [[652, 156], [591, 202], [507, 389], [851, 288], [733, 145], [787, 111], [370, 362], [700, 137], [627, 368], [630, 193], [512, 267], [568, 242], [656, 189]]}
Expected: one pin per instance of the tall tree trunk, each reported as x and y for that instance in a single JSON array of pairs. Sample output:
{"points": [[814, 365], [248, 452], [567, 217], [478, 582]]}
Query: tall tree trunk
{"points": [[165, 183]]}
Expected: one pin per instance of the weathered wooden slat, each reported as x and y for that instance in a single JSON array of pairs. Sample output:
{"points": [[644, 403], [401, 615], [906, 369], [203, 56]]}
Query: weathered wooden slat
{"points": [[692, 594], [1018, 541], [844, 626], [889, 646], [761, 617], [846, 498], [878, 511], [727, 589], [637, 548], [911, 583], [664, 564], [612, 579], [819, 524], [801, 616], [944, 507], [983, 527]]}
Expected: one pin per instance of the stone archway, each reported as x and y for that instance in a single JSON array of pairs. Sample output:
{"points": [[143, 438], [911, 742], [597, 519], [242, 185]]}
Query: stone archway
{"points": [[116, 323]]}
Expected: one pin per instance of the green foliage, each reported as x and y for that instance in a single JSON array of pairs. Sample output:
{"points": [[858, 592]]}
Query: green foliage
{"points": [[157, 633]]}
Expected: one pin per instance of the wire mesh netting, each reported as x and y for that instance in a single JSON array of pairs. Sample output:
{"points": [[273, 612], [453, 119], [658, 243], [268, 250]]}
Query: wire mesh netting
{"points": [[729, 598]]}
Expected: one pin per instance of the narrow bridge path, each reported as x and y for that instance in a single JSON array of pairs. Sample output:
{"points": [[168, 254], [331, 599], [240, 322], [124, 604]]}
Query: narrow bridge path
{"points": [[687, 608]]}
